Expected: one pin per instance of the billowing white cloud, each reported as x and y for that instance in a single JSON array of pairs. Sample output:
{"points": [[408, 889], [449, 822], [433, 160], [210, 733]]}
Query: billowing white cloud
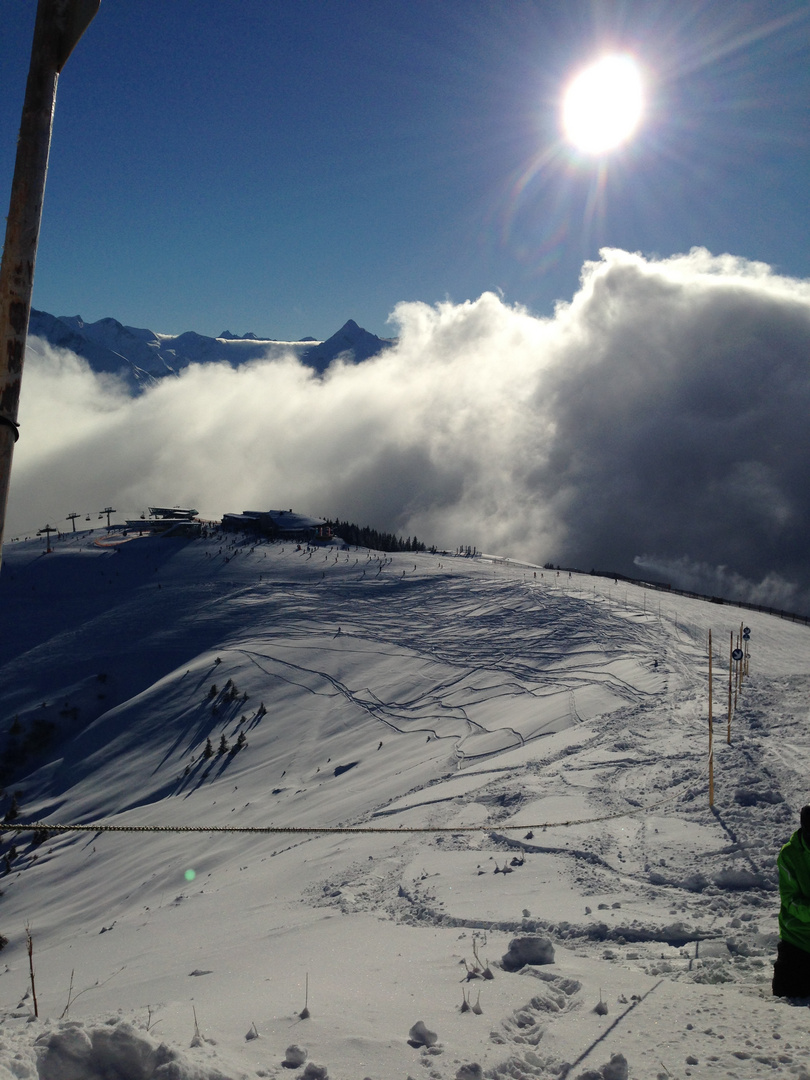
{"points": [[661, 413], [771, 591]]}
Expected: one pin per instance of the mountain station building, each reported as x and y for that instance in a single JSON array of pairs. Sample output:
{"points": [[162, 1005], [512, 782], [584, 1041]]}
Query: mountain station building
{"points": [[279, 525], [176, 520]]}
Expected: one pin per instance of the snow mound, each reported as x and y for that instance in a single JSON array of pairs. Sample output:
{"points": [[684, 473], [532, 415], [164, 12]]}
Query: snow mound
{"points": [[528, 949], [74, 1051]]}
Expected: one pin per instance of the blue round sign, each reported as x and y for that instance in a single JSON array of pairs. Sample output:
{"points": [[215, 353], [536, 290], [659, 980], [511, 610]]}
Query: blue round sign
{"points": [[737, 654]]}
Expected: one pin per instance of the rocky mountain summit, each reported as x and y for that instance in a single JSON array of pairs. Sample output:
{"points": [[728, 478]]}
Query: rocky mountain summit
{"points": [[143, 356]]}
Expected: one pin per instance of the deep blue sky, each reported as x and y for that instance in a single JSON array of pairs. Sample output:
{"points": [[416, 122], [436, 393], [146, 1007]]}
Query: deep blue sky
{"points": [[282, 166]]}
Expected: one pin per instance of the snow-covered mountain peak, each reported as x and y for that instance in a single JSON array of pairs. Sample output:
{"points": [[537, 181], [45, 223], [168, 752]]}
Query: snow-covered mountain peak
{"points": [[141, 356]]}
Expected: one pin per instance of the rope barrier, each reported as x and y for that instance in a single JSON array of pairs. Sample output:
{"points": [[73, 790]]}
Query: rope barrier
{"points": [[308, 829]]}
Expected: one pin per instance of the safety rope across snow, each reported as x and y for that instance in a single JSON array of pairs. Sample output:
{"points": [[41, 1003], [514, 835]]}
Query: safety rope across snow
{"points": [[46, 826]]}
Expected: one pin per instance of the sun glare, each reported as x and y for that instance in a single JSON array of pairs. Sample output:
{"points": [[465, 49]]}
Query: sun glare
{"points": [[603, 105]]}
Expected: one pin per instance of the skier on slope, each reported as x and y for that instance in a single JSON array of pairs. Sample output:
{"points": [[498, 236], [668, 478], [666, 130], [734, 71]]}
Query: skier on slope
{"points": [[791, 971]]}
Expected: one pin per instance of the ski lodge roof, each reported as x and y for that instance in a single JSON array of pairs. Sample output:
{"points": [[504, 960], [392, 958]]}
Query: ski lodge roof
{"points": [[277, 522]]}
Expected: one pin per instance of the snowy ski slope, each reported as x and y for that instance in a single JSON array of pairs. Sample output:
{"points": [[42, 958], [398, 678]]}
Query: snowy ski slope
{"points": [[528, 752]]}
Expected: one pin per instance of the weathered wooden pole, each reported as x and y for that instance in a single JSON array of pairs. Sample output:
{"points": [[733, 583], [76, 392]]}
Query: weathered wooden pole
{"points": [[711, 729], [730, 669], [59, 25], [736, 677]]}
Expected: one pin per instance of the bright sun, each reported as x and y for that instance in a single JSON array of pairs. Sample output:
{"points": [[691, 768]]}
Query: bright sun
{"points": [[603, 104]]}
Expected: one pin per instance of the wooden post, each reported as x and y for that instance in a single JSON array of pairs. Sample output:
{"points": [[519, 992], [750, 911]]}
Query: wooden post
{"points": [[739, 662], [730, 669], [30, 944], [59, 25], [742, 665], [711, 732], [736, 682]]}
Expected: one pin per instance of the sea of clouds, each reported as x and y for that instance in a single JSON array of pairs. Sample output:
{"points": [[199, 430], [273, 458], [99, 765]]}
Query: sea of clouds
{"points": [[656, 424]]}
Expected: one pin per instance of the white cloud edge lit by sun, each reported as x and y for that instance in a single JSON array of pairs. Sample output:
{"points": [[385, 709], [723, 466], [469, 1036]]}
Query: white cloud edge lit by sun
{"points": [[484, 425]]}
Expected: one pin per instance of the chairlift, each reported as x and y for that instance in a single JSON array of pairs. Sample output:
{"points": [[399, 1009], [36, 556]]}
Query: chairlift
{"points": [[87, 518]]}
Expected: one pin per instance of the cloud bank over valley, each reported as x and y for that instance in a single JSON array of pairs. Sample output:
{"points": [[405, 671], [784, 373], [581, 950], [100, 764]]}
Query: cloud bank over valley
{"points": [[656, 424]]}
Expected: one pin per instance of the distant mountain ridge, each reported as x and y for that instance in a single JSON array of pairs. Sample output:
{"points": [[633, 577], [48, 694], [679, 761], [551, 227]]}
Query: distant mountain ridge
{"points": [[143, 357]]}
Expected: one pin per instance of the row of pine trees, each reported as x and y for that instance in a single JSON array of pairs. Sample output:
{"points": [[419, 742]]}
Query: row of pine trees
{"points": [[364, 536]]}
